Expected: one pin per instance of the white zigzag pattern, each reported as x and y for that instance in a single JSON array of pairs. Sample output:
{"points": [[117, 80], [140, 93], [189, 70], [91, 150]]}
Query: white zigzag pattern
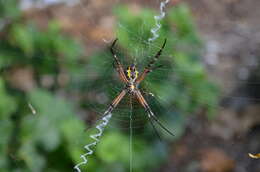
{"points": [[95, 137], [157, 21]]}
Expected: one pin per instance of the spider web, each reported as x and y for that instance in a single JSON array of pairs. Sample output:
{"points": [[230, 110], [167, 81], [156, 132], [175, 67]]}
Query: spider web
{"points": [[121, 113], [129, 117]]}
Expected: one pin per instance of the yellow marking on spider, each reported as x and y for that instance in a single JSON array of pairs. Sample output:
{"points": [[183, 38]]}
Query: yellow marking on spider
{"points": [[255, 156], [128, 72], [136, 74]]}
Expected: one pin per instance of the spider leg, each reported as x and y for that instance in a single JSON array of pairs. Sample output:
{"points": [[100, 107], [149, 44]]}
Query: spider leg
{"points": [[115, 102], [149, 68], [157, 133], [150, 112], [112, 105], [156, 56], [158, 122], [150, 120], [118, 65]]}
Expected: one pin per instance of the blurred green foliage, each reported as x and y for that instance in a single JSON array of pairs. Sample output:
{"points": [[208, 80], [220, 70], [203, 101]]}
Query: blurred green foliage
{"points": [[53, 139], [182, 81]]}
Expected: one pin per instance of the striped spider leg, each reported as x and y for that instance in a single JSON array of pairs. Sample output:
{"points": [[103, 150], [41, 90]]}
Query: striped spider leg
{"points": [[148, 68], [132, 80], [119, 66], [115, 102], [151, 115]]}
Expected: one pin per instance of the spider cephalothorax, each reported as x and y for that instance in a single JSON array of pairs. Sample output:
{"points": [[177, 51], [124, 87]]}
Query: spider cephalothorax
{"points": [[131, 79]]}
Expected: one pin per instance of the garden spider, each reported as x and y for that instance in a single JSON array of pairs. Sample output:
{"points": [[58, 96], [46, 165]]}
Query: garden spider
{"points": [[131, 80]]}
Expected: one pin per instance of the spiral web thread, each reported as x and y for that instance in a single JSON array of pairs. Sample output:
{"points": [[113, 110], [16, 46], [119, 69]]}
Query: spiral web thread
{"points": [[158, 18], [95, 137]]}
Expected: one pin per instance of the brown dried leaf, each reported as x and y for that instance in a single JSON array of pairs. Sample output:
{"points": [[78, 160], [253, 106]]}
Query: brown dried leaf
{"points": [[216, 160], [21, 78]]}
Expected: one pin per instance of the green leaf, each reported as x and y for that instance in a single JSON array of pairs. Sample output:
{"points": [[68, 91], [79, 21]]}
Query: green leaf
{"points": [[7, 104], [22, 36], [109, 150]]}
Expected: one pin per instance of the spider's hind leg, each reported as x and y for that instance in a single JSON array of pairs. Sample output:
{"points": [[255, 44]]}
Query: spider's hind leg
{"points": [[152, 116], [150, 112], [154, 128]]}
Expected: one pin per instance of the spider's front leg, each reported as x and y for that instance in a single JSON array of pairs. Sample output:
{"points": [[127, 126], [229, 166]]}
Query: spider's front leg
{"points": [[150, 112], [149, 68], [119, 66]]}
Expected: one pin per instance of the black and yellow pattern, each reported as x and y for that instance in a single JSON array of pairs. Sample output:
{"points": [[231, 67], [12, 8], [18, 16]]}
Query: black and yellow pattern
{"points": [[131, 78]]}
